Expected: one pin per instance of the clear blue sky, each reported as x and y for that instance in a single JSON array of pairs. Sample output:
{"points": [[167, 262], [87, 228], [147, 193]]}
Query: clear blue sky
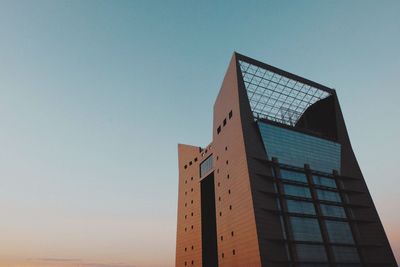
{"points": [[95, 96]]}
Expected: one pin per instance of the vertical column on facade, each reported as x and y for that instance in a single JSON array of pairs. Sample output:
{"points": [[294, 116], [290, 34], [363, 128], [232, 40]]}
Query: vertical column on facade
{"points": [[318, 211], [349, 215], [283, 206]]}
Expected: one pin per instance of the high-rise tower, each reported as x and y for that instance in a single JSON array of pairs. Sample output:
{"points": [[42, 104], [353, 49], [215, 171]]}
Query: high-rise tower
{"points": [[279, 185]]}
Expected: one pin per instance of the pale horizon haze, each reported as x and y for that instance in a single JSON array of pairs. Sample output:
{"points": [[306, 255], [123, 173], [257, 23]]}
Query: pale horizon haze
{"points": [[96, 95]]}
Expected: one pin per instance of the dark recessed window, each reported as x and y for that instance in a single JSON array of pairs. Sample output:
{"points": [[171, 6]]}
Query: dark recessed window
{"points": [[218, 129], [229, 191], [226, 148], [185, 166], [192, 262], [227, 176], [222, 255], [191, 178], [217, 157], [232, 233], [233, 252], [224, 123], [222, 238], [192, 227], [191, 214], [220, 213], [219, 184], [191, 190], [227, 162], [219, 198], [191, 201], [192, 247], [185, 217], [190, 163], [185, 263], [195, 159], [230, 114], [185, 193], [185, 249], [185, 229], [185, 181], [230, 207]]}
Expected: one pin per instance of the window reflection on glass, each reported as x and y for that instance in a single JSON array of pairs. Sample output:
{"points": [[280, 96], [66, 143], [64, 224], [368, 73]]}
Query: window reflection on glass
{"points": [[328, 195], [339, 232], [296, 149], [305, 229], [293, 176], [297, 206], [297, 191], [324, 181], [333, 211]]}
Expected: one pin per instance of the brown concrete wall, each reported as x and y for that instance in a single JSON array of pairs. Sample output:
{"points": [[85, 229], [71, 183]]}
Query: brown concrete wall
{"points": [[188, 241], [234, 205]]}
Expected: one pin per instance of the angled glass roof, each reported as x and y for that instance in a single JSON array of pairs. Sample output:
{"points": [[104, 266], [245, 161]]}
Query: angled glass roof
{"points": [[277, 97]]}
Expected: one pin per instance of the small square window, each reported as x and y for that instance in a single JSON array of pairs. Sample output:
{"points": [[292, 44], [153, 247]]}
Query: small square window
{"points": [[195, 159]]}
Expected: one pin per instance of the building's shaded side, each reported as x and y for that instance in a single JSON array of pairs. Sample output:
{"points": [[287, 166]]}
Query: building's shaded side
{"points": [[311, 203]]}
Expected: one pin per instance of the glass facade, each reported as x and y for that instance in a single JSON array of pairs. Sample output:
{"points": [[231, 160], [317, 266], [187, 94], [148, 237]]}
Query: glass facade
{"points": [[303, 207], [339, 232], [206, 166], [305, 229], [345, 254], [297, 191], [333, 211], [307, 252], [324, 181], [293, 150], [296, 149], [293, 176], [328, 195]]}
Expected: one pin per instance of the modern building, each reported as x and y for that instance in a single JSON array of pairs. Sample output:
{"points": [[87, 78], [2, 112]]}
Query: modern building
{"points": [[279, 185]]}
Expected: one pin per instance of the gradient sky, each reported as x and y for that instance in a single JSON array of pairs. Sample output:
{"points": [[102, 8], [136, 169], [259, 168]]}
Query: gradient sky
{"points": [[95, 96]]}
